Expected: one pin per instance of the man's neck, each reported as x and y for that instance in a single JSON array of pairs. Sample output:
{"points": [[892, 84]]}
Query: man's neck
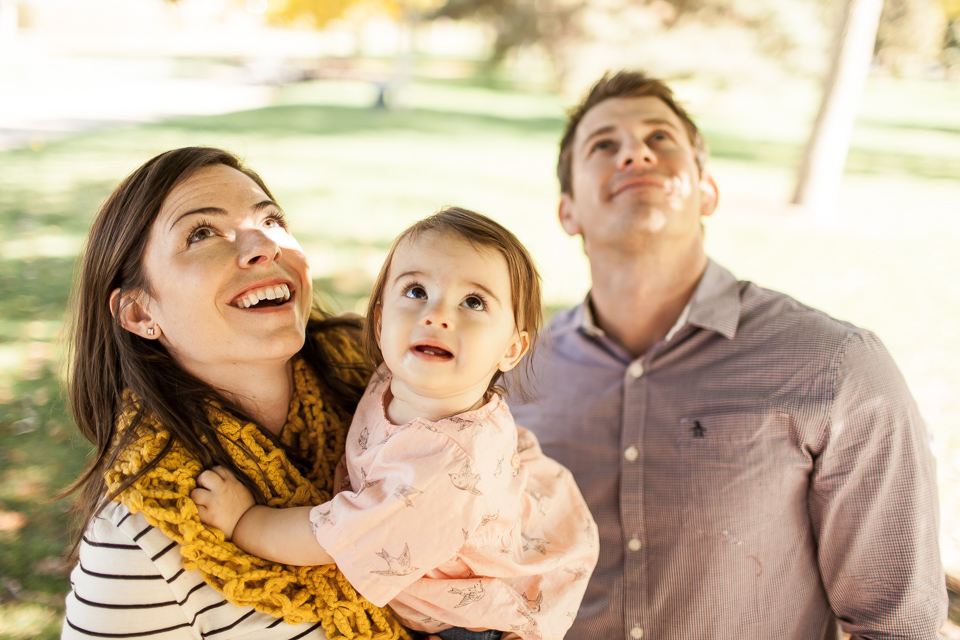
{"points": [[638, 299]]}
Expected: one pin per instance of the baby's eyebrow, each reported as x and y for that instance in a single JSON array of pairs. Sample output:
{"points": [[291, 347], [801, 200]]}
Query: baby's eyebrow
{"points": [[485, 290], [407, 274]]}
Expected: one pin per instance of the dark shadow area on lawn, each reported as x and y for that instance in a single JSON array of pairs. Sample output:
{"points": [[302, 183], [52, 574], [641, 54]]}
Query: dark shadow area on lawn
{"points": [[783, 154], [334, 120]]}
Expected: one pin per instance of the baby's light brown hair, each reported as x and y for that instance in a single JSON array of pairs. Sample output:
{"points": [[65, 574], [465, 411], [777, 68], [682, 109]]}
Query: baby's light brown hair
{"points": [[481, 232]]}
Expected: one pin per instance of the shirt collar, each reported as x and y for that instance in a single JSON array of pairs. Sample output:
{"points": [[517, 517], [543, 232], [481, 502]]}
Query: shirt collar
{"points": [[715, 306]]}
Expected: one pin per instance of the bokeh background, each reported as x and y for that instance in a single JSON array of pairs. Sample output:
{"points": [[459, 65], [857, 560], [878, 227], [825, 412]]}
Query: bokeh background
{"points": [[364, 115]]}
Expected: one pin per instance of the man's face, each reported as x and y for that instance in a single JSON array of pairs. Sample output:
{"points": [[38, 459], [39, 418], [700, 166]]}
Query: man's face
{"points": [[635, 179]]}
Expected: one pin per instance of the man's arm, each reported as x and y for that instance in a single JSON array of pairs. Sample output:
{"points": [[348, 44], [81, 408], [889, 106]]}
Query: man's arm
{"points": [[873, 503], [277, 535]]}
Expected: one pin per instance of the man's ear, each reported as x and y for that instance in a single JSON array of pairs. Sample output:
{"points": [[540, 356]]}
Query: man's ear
{"points": [[515, 351], [566, 211], [130, 310], [709, 195]]}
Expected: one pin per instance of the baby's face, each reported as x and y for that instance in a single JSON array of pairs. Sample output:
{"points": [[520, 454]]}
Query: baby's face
{"points": [[446, 319]]}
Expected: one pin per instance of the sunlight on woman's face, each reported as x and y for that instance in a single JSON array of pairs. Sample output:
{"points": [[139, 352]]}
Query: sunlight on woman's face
{"points": [[229, 284]]}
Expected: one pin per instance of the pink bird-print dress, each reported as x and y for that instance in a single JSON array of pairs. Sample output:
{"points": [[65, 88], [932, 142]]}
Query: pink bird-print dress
{"points": [[461, 522]]}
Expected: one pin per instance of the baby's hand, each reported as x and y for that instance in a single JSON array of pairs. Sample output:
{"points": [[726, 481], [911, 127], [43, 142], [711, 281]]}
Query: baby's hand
{"points": [[221, 499]]}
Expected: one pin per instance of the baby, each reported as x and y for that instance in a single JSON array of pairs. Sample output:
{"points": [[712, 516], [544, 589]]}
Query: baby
{"points": [[453, 515]]}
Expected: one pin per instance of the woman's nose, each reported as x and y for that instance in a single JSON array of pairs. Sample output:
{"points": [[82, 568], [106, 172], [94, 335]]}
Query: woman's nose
{"points": [[257, 247]]}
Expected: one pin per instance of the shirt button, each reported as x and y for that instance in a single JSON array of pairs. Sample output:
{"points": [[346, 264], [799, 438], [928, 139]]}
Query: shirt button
{"points": [[636, 632], [631, 453], [635, 369], [634, 545]]}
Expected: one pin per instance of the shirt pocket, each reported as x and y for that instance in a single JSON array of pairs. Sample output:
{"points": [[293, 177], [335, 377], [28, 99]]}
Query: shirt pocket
{"points": [[733, 470]]}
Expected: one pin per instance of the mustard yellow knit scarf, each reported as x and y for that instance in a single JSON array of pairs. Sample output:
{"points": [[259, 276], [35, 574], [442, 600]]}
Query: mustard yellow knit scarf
{"points": [[316, 431]]}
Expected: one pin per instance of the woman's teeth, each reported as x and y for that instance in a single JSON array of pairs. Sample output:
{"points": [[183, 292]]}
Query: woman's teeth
{"points": [[279, 293]]}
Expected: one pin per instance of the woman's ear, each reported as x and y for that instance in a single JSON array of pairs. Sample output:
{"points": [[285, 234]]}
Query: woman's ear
{"points": [[515, 351], [129, 308]]}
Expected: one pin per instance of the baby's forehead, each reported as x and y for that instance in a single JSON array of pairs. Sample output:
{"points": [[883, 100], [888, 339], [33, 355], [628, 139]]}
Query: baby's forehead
{"points": [[448, 254]]}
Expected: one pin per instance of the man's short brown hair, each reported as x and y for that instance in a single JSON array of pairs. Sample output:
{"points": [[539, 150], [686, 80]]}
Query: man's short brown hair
{"points": [[624, 84]]}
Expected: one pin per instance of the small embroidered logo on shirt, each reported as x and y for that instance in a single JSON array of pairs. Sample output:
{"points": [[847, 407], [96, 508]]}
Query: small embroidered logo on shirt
{"points": [[698, 430]]}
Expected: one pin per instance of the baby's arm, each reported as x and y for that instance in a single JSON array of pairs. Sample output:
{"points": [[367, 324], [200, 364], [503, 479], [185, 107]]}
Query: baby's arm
{"points": [[277, 535]]}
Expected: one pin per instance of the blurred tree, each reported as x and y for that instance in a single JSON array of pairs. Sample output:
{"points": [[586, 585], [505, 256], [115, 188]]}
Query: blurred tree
{"points": [[911, 34], [826, 152]]}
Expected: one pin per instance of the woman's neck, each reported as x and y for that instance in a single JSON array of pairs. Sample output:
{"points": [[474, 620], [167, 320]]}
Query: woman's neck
{"points": [[263, 391]]}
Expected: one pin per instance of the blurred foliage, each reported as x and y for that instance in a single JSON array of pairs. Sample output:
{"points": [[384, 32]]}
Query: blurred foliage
{"points": [[911, 34], [318, 13]]}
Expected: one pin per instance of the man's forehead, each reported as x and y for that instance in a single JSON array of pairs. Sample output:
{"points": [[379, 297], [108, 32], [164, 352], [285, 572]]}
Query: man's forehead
{"points": [[615, 112]]}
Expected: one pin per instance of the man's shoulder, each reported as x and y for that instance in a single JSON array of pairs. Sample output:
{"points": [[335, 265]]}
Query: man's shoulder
{"points": [[774, 311]]}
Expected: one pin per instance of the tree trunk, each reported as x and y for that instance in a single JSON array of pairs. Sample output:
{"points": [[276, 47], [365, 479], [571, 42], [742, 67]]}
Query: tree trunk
{"points": [[820, 172]]}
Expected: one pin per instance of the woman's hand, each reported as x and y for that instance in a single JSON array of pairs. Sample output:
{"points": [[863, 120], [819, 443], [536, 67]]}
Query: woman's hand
{"points": [[221, 499]]}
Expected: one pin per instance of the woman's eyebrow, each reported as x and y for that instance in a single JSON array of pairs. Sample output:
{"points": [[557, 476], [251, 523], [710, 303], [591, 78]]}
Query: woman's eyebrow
{"points": [[219, 211]]}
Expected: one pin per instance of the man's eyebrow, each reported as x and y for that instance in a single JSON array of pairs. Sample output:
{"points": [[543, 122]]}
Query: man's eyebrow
{"points": [[218, 211]]}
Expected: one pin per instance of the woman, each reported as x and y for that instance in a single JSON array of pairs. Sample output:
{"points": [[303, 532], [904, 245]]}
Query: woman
{"points": [[196, 342]]}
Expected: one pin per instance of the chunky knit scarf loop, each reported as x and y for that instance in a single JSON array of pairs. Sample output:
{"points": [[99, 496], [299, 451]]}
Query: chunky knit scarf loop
{"points": [[316, 431]]}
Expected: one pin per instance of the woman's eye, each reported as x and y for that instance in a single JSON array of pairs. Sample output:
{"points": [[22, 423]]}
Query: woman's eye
{"points": [[474, 302], [199, 234], [416, 292], [276, 221]]}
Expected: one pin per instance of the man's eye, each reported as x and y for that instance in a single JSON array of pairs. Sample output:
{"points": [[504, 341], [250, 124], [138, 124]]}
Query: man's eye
{"points": [[603, 145], [201, 233], [416, 292], [474, 302]]}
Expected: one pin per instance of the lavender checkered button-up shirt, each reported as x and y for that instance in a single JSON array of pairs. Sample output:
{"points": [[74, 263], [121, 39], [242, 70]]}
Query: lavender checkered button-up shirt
{"points": [[762, 473]]}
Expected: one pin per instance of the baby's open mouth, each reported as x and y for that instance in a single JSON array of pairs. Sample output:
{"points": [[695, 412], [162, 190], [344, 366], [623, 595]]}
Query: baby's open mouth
{"points": [[432, 350], [273, 295]]}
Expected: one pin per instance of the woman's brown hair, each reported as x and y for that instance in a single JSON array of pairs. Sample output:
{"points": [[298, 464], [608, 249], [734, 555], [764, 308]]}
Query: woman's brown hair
{"points": [[106, 360]]}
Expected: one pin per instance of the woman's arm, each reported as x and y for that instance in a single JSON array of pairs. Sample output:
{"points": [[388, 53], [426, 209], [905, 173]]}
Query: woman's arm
{"points": [[278, 535]]}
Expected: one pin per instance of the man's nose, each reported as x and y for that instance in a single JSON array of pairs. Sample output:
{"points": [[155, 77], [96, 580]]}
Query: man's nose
{"points": [[257, 247], [636, 152]]}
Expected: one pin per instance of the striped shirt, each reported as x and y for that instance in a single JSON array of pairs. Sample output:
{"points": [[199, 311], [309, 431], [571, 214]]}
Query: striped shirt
{"points": [[761, 473], [130, 583]]}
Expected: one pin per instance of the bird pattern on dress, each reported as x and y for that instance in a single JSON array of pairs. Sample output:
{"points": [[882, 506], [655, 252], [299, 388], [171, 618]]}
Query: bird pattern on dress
{"points": [[468, 596], [396, 566], [466, 479]]}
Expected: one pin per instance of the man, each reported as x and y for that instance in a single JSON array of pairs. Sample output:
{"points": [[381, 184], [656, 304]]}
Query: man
{"points": [[757, 469]]}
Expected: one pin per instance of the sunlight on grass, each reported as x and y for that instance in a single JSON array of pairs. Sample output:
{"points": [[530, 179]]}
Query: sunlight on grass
{"points": [[27, 620]]}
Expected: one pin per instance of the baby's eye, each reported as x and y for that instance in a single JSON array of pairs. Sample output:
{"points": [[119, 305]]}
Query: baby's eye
{"points": [[474, 302], [198, 234], [416, 292]]}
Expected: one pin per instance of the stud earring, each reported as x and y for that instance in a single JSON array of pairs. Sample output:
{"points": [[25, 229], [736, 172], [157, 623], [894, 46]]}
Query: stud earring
{"points": [[150, 331]]}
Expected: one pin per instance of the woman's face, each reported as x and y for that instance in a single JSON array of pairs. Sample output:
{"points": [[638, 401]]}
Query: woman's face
{"points": [[229, 285]]}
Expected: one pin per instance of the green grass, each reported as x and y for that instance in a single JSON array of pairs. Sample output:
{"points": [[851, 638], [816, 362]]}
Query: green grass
{"points": [[351, 177]]}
